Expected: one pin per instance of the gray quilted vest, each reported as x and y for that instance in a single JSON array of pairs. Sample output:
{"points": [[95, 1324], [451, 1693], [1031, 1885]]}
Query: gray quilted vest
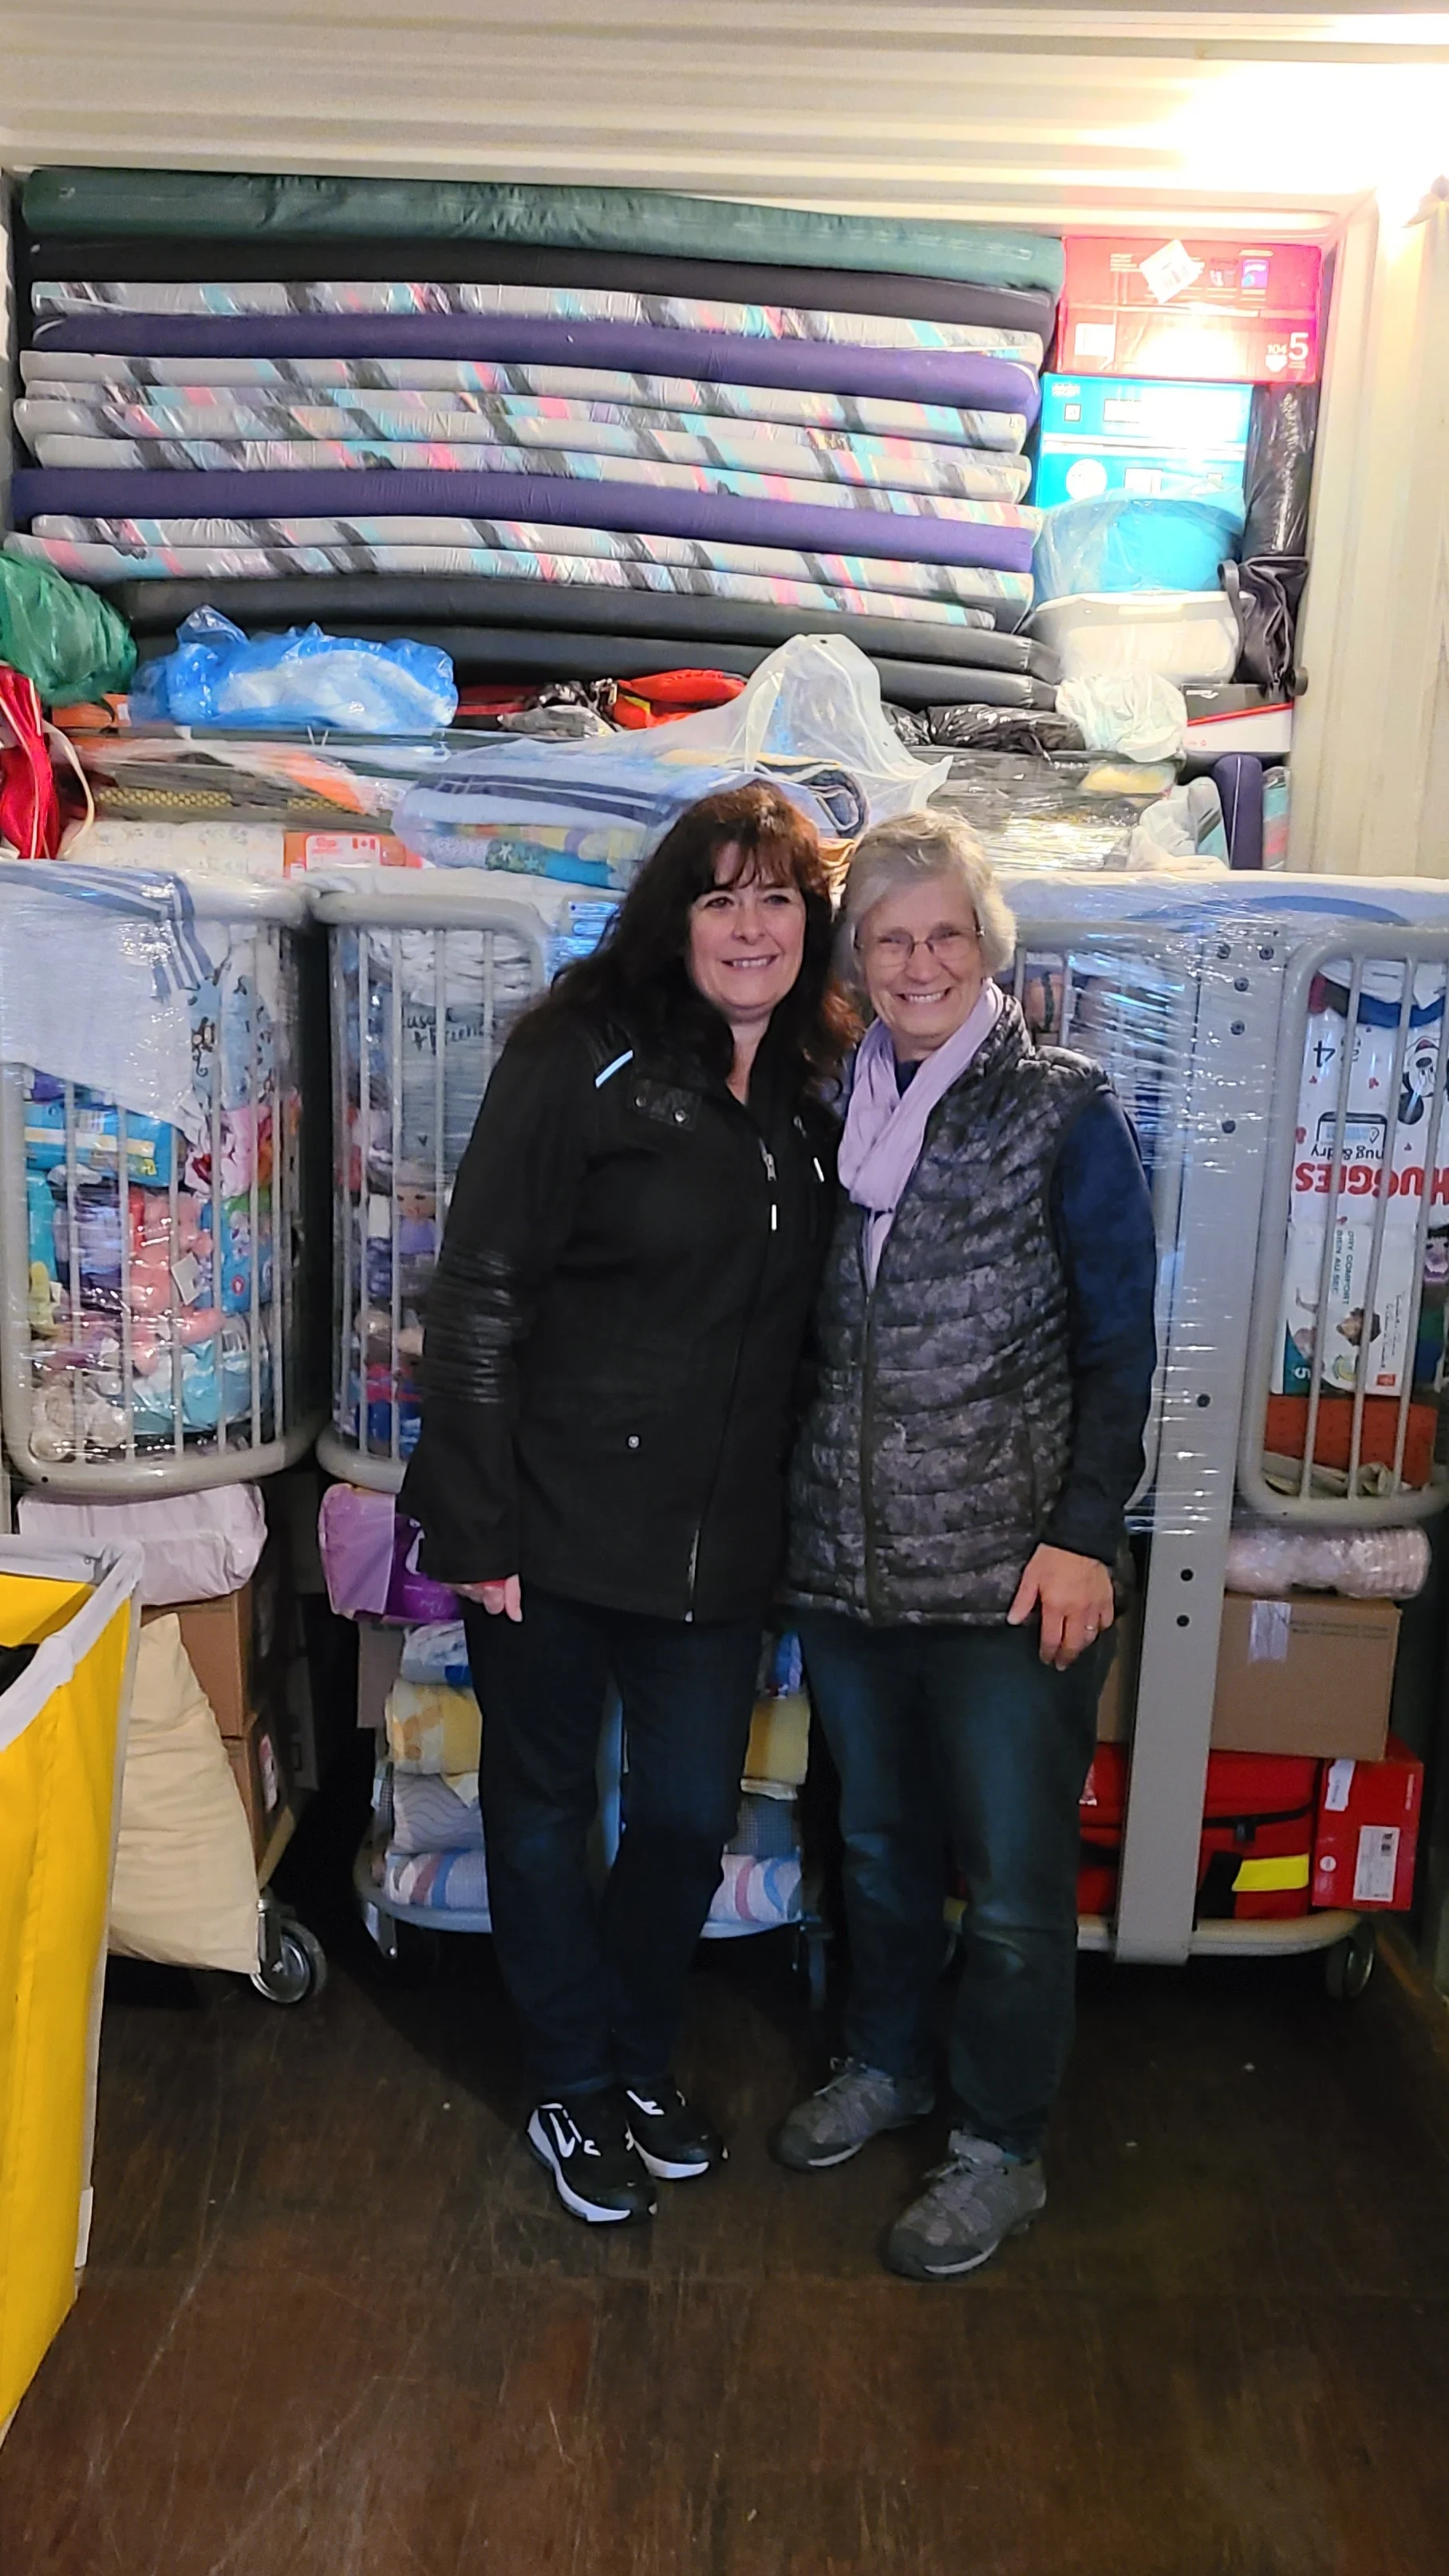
{"points": [[938, 1438]]}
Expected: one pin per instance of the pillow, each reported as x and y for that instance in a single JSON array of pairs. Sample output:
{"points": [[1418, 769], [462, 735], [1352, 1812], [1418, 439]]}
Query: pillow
{"points": [[185, 1888]]}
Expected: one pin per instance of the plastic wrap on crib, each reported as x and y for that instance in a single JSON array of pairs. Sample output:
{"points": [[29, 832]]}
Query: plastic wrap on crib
{"points": [[156, 1255], [428, 974]]}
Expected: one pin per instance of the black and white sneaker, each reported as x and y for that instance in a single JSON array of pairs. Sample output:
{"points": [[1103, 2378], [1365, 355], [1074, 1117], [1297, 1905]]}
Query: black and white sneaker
{"points": [[588, 2149], [674, 2140]]}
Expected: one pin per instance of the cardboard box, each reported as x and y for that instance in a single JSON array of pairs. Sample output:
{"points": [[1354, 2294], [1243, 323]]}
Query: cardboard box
{"points": [[1308, 1673], [1175, 442], [1367, 1833], [1234, 311], [259, 1767], [239, 1646]]}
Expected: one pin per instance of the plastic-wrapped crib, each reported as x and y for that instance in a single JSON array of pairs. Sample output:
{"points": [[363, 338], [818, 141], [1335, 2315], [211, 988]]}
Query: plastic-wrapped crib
{"points": [[428, 974], [158, 1263]]}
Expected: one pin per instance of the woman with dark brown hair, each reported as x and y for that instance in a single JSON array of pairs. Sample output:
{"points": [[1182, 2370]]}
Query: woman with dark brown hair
{"points": [[612, 1352]]}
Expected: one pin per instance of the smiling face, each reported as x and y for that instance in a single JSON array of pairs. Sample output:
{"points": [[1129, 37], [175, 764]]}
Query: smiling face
{"points": [[922, 992], [746, 939]]}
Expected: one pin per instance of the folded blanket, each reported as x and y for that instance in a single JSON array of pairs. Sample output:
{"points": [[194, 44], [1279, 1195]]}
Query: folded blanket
{"points": [[376, 537], [757, 1895], [482, 432], [433, 1728], [422, 385], [432, 1812], [242, 297], [448, 1882], [152, 202]]}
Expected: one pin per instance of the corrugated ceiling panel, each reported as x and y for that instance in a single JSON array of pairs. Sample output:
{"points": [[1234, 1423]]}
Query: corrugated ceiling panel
{"points": [[1071, 115]]}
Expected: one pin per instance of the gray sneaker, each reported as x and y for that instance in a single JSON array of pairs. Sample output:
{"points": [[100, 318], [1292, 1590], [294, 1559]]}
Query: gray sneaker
{"points": [[859, 2103], [972, 2201]]}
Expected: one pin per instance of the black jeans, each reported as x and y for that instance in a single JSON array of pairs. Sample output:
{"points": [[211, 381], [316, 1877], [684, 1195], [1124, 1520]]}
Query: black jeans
{"points": [[960, 1740], [599, 1986]]}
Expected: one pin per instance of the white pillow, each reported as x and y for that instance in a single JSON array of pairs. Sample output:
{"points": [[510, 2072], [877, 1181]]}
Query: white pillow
{"points": [[185, 1888]]}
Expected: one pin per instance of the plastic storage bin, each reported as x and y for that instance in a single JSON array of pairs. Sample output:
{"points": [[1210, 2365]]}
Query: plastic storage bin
{"points": [[1182, 635], [428, 974], [155, 1337]]}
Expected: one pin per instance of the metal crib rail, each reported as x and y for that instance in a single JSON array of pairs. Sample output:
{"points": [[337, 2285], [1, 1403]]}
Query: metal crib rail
{"points": [[1360, 945], [367, 919]]}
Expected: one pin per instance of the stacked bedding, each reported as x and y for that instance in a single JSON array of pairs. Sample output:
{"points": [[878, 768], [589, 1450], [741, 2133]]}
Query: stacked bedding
{"points": [[428, 1853], [541, 413]]}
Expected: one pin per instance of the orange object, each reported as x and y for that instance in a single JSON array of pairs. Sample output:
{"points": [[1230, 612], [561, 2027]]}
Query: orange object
{"points": [[1286, 1430], [665, 695]]}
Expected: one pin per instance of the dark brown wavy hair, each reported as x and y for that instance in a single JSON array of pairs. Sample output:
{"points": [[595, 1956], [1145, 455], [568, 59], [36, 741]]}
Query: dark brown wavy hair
{"points": [[638, 977]]}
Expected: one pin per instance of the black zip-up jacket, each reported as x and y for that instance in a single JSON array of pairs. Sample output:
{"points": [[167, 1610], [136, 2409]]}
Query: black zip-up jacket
{"points": [[613, 1339]]}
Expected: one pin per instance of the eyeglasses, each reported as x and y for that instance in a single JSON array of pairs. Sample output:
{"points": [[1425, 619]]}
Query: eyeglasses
{"points": [[897, 947]]}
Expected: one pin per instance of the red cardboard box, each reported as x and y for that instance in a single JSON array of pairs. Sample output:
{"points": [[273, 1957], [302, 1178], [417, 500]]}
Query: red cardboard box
{"points": [[1221, 311], [1367, 1836]]}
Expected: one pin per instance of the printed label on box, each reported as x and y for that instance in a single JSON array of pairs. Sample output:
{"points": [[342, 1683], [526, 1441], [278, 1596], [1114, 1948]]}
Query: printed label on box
{"points": [[1338, 1788], [1377, 1865], [1094, 339], [1269, 1627], [270, 1775], [1170, 270]]}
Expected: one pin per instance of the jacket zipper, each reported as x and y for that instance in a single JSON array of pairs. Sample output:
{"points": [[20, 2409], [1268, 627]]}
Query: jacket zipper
{"points": [[772, 1179], [867, 1420]]}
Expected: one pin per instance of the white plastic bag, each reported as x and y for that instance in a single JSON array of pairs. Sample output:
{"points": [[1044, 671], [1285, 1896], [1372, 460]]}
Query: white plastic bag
{"points": [[1133, 712], [818, 698], [1184, 829]]}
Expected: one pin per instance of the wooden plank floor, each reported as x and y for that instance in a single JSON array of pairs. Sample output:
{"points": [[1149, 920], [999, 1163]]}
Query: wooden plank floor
{"points": [[335, 2325]]}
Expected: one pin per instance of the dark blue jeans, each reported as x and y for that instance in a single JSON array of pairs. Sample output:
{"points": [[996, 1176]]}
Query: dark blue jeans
{"points": [[599, 1985], [960, 1741]]}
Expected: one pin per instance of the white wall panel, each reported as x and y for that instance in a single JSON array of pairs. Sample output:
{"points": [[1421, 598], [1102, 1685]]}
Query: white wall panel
{"points": [[1061, 115]]}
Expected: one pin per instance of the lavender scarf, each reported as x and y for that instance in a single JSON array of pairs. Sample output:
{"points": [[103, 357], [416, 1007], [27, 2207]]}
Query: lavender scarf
{"points": [[885, 1128]]}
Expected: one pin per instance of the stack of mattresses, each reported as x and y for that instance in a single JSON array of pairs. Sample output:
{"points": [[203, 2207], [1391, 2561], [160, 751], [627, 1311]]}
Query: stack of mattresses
{"points": [[563, 432]]}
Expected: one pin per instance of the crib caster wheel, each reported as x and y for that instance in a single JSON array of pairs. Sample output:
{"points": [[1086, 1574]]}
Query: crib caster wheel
{"points": [[293, 1965], [1348, 1966]]}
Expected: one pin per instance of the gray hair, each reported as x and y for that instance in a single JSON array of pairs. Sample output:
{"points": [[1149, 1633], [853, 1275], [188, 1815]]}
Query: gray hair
{"points": [[912, 849]]}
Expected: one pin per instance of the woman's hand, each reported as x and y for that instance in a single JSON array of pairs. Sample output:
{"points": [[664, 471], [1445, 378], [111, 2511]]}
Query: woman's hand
{"points": [[1075, 1598], [500, 1600]]}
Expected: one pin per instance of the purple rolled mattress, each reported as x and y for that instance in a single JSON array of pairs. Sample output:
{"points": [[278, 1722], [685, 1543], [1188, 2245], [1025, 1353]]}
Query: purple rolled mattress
{"points": [[876, 523], [960, 376]]}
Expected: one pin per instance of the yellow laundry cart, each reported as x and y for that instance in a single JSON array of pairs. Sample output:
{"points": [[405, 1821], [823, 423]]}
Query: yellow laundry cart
{"points": [[62, 1743]]}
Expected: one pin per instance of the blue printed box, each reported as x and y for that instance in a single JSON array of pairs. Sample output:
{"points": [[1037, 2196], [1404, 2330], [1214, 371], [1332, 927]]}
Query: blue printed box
{"points": [[1158, 441]]}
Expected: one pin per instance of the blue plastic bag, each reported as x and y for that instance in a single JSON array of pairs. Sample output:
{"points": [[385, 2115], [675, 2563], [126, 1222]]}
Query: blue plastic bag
{"points": [[1122, 542], [305, 677]]}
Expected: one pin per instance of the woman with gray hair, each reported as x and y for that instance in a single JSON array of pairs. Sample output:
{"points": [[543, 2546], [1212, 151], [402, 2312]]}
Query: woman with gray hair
{"points": [[986, 1350]]}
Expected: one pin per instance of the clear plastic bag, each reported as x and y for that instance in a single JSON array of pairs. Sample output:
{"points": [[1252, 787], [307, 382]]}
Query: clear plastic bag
{"points": [[1136, 713], [1125, 542], [810, 719], [217, 677], [1366, 1564]]}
